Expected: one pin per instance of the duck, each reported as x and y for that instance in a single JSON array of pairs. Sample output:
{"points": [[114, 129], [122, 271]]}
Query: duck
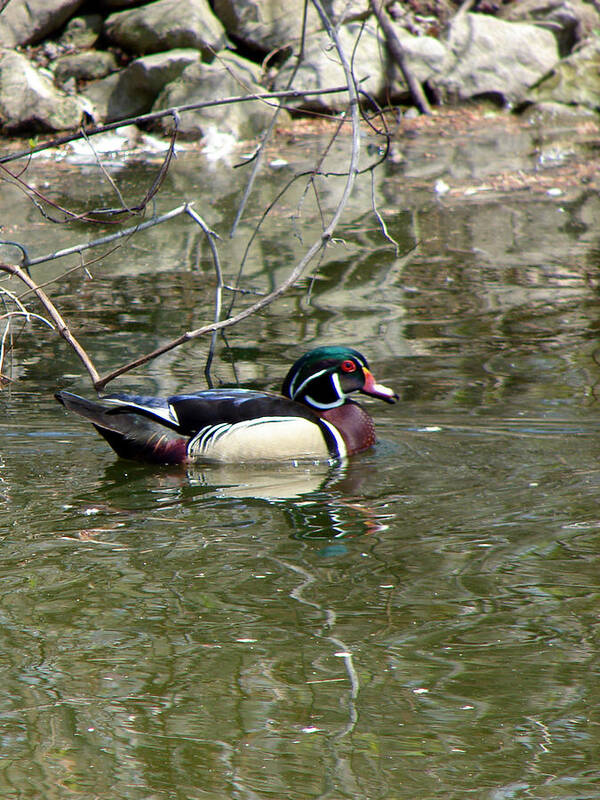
{"points": [[313, 418]]}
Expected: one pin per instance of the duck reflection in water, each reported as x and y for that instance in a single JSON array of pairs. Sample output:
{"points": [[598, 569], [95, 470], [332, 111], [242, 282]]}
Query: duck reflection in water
{"points": [[321, 501]]}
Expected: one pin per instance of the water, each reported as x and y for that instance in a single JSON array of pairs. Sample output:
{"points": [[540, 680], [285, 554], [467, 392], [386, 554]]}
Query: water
{"points": [[421, 622]]}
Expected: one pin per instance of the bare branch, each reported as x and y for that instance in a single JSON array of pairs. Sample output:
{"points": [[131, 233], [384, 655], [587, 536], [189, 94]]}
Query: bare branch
{"points": [[211, 236], [94, 215], [380, 219], [317, 246], [79, 248], [257, 157], [226, 323], [354, 115], [173, 111], [397, 53], [54, 314], [465, 6]]}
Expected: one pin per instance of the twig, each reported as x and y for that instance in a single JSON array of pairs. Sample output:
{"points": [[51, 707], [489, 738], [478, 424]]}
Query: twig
{"points": [[354, 107], [380, 219], [225, 323], [95, 214], [19, 246], [83, 266], [9, 315], [465, 6], [79, 248], [54, 314], [316, 247], [397, 53], [293, 94], [313, 172], [103, 169], [211, 236], [255, 232], [257, 156], [312, 175]]}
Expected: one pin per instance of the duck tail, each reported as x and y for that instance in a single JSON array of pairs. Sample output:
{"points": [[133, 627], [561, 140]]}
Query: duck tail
{"points": [[130, 435]]}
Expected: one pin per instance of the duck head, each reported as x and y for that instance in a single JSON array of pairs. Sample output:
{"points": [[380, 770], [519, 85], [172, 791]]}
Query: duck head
{"points": [[325, 377]]}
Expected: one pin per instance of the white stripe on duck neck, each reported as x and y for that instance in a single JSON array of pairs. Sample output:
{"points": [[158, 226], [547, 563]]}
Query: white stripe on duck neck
{"points": [[335, 379], [294, 392]]}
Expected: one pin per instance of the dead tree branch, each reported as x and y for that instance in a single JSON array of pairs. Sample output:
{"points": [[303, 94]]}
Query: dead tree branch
{"points": [[104, 240], [397, 53], [55, 316], [140, 119], [257, 156], [218, 323], [211, 236], [103, 215], [317, 246]]}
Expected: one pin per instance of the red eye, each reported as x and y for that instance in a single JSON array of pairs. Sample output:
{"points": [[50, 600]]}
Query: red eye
{"points": [[348, 366]]}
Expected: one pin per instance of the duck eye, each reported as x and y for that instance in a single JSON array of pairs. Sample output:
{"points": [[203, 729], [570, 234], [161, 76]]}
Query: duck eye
{"points": [[348, 366]]}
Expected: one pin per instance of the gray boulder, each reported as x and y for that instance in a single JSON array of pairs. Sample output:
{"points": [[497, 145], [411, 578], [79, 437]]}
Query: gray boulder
{"points": [[270, 25], [574, 81], [488, 56], [29, 100], [162, 25], [321, 67], [229, 76], [81, 32], [111, 5], [90, 65], [265, 25], [29, 21], [347, 10], [133, 90], [425, 56], [570, 21]]}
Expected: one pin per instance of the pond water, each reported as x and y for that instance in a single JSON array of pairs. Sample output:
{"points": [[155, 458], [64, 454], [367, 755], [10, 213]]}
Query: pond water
{"points": [[421, 622]]}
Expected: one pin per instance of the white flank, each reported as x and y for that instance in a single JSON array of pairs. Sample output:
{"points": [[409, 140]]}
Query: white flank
{"points": [[263, 439]]}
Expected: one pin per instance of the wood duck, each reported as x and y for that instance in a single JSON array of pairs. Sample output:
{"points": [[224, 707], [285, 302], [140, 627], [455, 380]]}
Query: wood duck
{"points": [[313, 417]]}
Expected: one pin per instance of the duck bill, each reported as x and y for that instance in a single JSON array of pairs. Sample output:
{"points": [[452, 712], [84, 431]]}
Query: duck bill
{"points": [[375, 389]]}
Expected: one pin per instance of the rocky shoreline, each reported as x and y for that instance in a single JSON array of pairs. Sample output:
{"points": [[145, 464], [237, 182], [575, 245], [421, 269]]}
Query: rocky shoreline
{"points": [[64, 62]]}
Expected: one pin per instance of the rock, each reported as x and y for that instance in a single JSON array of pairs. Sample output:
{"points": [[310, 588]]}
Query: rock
{"points": [[161, 26], [342, 11], [110, 5], [423, 17], [264, 25], [230, 75], [321, 67], [490, 57], [555, 115], [570, 21], [90, 65], [82, 32], [425, 57], [134, 90], [29, 101], [29, 21], [574, 81], [267, 26]]}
